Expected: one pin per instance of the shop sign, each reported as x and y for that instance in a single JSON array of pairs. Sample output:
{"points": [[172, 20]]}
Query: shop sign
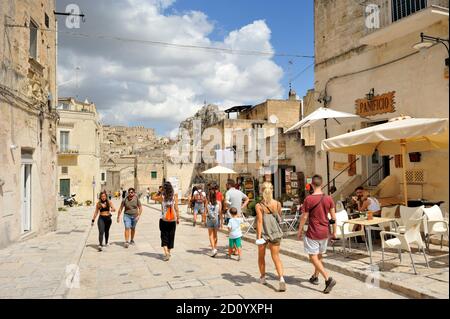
{"points": [[379, 104]]}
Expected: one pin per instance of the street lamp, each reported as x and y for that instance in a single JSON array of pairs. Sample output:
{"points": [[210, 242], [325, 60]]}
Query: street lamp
{"points": [[427, 42]]}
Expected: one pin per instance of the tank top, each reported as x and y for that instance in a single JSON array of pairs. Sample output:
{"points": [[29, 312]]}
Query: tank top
{"points": [[103, 209], [374, 205]]}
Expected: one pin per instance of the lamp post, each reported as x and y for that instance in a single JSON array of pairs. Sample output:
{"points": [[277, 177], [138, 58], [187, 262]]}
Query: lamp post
{"points": [[427, 42]]}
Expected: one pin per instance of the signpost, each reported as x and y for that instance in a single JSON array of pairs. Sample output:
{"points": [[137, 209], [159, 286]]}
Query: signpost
{"points": [[378, 104], [93, 190]]}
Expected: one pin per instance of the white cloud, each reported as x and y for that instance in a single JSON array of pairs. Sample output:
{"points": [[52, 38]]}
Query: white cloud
{"points": [[159, 86]]}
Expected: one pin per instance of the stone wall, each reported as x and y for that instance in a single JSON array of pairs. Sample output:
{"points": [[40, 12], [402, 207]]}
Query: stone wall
{"points": [[27, 120]]}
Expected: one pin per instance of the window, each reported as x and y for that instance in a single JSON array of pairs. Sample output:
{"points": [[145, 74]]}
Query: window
{"points": [[33, 39], [47, 21], [64, 170], [103, 177], [64, 141], [154, 175], [404, 8]]}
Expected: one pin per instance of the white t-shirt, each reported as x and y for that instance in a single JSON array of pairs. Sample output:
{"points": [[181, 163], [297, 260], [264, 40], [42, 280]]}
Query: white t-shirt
{"points": [[234, 198], [234, 225]]}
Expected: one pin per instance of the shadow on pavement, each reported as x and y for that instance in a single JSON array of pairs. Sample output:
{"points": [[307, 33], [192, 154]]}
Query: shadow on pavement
{"points": [[239, 280], [151, 255]]}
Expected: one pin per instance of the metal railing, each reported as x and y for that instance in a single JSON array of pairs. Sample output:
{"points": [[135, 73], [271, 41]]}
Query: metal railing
{"points": [[375, 172], [381, 13], [68, 149], [333, 181]]}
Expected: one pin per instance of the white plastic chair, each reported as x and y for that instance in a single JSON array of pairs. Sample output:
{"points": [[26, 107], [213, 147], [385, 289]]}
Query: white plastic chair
{"points": [[344, 230], [387, 212], [434, 224], [408, 234], [408, 213]]}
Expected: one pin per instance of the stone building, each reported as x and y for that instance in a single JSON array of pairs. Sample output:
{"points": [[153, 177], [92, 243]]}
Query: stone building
{"points": [[271, 118], [79, 135], [27, 119], [364, 55], [132, 157]]}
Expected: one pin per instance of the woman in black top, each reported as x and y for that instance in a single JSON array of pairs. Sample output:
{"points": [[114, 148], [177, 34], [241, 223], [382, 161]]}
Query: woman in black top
{"points": [[104, 207]]}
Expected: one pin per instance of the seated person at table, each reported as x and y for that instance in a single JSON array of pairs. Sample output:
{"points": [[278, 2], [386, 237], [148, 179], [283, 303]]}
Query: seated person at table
{"points": [[368, 203], [357, 198]]}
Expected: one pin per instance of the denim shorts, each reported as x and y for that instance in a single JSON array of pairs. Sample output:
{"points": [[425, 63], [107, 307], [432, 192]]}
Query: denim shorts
{"points": [[129, 221], [199, 208]]}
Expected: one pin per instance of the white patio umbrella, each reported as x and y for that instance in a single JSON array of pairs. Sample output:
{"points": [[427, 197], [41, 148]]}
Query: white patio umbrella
{"points": [[398, 136], [219, 170], [325, 114]]}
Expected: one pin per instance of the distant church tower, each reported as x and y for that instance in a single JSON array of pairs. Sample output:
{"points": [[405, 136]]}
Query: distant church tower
{"points": [[292, 93]]}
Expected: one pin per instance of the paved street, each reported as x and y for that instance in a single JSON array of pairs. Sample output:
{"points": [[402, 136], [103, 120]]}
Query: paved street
{"points": [[37, 268]]}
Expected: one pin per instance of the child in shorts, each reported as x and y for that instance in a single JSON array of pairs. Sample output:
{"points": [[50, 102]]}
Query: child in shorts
{"points": [[235, 235]]}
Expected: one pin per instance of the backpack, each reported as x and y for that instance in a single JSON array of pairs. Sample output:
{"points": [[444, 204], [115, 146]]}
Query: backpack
{"points": [[169, 215], [199, 198], [212, 215]]}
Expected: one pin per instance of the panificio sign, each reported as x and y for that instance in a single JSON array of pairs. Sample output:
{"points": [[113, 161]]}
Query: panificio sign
{"points": [[379, 104]]}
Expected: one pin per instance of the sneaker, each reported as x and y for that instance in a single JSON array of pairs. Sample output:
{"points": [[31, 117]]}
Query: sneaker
{"points": [[282, 286], [127, 244], [214, 253], [132, 242], [100, 247], [262, 280], [329, 284], [228, 256], [238, 258], [314, 280]]}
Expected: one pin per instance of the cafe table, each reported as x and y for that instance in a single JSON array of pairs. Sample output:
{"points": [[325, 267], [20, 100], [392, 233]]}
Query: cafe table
{"points": [[369, 226]]}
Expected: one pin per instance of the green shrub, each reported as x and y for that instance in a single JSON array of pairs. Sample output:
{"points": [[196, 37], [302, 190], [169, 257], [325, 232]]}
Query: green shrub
{"points": [[252, 206], [88, 202]]}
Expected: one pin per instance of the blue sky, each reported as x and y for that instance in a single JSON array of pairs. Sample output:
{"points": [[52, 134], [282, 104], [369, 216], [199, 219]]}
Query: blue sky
{"points": [[291, 23], [134, 83]]}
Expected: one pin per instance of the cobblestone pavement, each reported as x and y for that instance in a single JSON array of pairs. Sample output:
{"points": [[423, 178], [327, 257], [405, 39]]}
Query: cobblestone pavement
{"points": [[429, 282], [139, 272], [37, 268]]}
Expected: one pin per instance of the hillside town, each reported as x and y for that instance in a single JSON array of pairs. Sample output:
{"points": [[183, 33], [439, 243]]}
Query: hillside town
{"points": [[370, 135]]}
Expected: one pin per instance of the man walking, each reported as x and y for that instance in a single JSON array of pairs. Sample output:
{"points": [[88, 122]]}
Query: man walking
{"points": [[234, 198], [133, 210], [316, 208], [199, 204]]}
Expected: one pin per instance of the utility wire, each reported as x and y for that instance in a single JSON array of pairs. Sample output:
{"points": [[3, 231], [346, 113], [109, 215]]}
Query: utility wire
{"points": [[168, 44], [301, 72]]}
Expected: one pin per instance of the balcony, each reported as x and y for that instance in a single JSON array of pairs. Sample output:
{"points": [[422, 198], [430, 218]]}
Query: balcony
{"points": [[68, 150], [389, 20]]}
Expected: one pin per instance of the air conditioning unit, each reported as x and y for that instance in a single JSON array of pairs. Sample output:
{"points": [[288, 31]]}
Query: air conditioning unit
{"points": [[415, 176]]}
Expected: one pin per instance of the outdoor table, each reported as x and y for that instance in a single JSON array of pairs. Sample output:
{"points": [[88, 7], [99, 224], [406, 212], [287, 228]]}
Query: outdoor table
{"points": [[368, 224]]}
